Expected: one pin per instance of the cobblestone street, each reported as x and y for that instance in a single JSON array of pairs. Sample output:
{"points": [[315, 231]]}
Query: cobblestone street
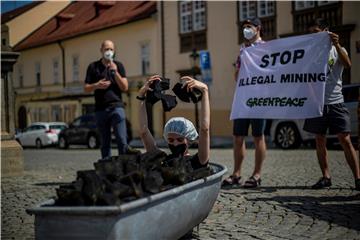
{"points": [[283, 208]]}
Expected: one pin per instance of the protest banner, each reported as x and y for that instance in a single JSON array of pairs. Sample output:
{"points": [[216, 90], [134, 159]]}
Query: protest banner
{"points": [[283, 78]]}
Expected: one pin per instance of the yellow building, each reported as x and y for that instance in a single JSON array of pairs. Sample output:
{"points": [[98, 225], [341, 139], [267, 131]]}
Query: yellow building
{"points": [[214, 26], [158, 37], [50, 72], [17, 21]]}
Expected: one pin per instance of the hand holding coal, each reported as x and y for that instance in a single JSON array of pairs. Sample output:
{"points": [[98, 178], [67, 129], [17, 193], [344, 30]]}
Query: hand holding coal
{"points": [[155, 93], [182, 93]]}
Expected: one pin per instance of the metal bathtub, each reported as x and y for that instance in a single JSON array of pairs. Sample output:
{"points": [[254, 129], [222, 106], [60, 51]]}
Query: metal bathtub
{"points": [[166, 215]]}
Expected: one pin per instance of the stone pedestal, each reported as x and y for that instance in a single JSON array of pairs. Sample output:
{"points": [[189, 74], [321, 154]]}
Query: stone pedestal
{"points": [[12, 163], [11, 158]]}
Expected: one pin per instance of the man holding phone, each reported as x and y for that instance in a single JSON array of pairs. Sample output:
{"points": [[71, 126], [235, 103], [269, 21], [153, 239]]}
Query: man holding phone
{"points": [[107, 79]]}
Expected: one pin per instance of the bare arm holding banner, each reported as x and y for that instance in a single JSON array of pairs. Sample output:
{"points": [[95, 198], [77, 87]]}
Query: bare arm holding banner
{"points": [[344, 58]]}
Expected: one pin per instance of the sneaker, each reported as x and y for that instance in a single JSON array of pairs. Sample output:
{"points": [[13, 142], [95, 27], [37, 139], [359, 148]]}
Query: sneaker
{"points": [[357, 184], [324, 182]]}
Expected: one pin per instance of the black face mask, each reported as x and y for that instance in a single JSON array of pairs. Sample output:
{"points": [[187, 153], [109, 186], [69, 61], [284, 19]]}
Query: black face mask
{"points": [[178, 150]]}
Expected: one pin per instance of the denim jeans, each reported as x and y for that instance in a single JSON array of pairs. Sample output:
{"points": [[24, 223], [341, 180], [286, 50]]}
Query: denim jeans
{"points": [[112, 117]]}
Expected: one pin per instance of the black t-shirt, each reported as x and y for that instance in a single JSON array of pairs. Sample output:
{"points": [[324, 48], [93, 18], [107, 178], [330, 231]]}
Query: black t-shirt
{"points": [[195, 161], [105, 97]]}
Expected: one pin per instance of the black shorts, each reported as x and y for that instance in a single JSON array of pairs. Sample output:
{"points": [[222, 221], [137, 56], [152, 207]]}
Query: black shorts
{"points": [[336, 119], [241, 127]]}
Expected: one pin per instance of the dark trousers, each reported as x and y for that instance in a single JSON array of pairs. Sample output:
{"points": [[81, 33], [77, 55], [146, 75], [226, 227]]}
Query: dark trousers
{"points": [[112, 117]]}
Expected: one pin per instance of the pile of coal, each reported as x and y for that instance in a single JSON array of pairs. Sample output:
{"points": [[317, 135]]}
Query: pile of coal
{"points": [[128, 177]]}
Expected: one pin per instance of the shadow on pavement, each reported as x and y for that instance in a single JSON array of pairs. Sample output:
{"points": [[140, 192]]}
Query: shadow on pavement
{"points": [[340, 210]]}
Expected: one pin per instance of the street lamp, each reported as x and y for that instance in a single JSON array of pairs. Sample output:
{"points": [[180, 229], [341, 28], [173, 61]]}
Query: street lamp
{"points": [[194, 69]]}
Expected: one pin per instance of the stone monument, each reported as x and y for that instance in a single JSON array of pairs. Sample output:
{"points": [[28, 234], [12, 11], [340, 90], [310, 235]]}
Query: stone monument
{"points": [[11, 151]]}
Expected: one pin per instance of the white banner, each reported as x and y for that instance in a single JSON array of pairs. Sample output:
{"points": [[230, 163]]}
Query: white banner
{"points": [[283, 78]]}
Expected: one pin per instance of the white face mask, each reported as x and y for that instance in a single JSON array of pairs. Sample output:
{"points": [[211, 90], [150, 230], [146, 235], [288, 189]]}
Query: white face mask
{"points": [[108, 55], [249, 33]]}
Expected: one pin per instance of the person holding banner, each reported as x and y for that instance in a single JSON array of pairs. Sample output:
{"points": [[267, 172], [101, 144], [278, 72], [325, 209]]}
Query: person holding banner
{"points": [[251, 31], [335, 115]]}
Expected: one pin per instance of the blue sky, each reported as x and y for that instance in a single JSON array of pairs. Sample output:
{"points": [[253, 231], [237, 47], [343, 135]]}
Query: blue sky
{"points": [[9, 5]]}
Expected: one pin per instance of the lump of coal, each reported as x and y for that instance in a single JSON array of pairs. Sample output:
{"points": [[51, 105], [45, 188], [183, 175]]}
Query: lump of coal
{"points": [[128, 177]]}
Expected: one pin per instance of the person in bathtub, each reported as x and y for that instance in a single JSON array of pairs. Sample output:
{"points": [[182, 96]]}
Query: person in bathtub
{"points": [[180, 132]]}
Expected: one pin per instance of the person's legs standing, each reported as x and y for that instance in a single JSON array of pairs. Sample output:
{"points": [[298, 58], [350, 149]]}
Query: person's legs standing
{"points": [[322, 154], [340, 124], [240, 130], [104, 127], [118, 122], [239, 154], [258, 128], [319, 126], [350, 153], [260, 153]]}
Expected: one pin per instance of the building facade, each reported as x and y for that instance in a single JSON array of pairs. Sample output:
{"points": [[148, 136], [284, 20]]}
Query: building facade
{"points": [[215, 26], [158, 37], [50, 73]]}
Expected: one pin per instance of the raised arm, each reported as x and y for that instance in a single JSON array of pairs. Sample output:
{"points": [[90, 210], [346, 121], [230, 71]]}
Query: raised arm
{"points": [[344, 58], [204, 131], [145, 134]]}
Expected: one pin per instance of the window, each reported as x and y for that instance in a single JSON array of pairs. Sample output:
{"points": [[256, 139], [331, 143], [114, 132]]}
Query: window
{"points": [[322, 3], [264, 10], [306, 11], [88, 120], [145, 58], [247, 10], [44, 114], [75, 65], [199, 22], [192, 25], [76, 123], [56, 113], [29, 129], [300, 5], [57, 127], [38, 74], [251, 9], [69, 112], [56, 70], [186, 16], [21, 75], [3, 41], [40, 127]]}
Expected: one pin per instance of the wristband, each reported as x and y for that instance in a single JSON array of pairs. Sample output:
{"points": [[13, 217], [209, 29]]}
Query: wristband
{"points": [[140, 98]]}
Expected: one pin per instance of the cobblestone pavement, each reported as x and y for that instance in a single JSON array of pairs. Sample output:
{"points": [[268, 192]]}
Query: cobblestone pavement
{"points": [[283, 208]]}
